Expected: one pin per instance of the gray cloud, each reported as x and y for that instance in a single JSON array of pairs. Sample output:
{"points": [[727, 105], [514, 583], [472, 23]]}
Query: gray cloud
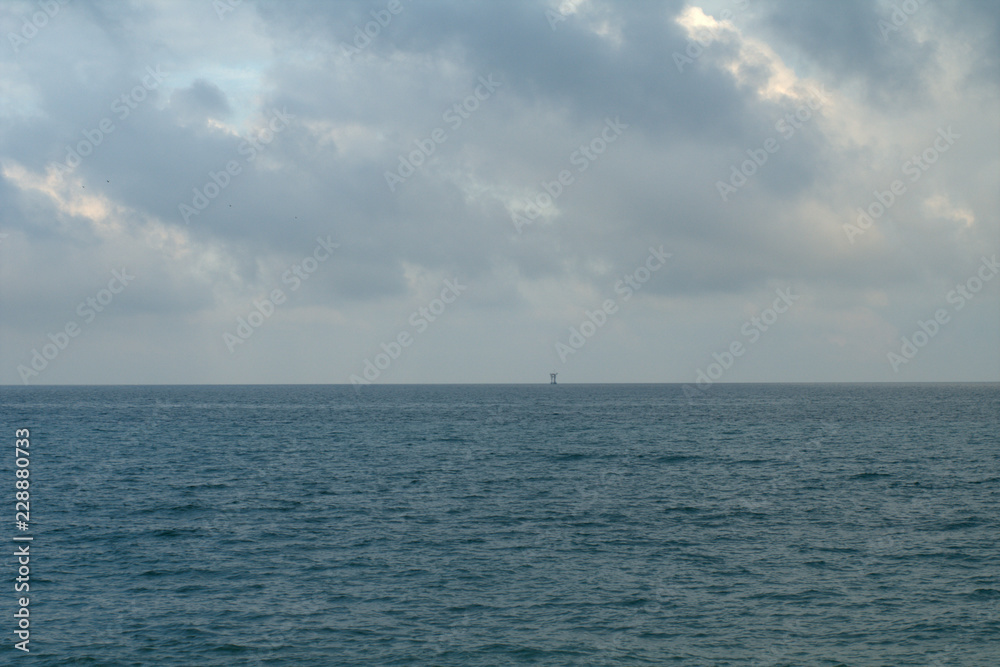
{"points": [[352, 117]]}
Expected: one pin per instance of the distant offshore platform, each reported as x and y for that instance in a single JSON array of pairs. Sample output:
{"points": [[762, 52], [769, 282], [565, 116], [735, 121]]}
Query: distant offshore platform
{"points": [[553, 376]]}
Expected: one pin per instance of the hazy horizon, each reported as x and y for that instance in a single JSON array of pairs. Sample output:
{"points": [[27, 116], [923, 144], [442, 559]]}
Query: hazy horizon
{"points": [[491, 384]]}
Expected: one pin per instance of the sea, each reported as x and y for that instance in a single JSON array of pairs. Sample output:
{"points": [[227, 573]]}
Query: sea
{"points": [[743, 524]]}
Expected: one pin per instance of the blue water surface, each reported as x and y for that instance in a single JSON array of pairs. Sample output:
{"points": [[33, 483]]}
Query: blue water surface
{"points": [[510, 524]]}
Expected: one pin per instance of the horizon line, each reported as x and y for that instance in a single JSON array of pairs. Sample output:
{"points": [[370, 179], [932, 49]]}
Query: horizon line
{"points": [[493, 384]]}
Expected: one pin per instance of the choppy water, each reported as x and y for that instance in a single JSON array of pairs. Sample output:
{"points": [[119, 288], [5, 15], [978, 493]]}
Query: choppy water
{"points": [[495, 525]]}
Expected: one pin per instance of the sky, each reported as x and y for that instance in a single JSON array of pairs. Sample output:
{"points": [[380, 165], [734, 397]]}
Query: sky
{"points": [[396, 191]]}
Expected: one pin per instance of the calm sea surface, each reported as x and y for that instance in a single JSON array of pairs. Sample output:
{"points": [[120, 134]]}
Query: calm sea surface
{"points": [[499, 525]]}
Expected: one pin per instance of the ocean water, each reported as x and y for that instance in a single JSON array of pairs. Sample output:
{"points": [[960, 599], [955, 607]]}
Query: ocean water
{"points": [[503, 525]]}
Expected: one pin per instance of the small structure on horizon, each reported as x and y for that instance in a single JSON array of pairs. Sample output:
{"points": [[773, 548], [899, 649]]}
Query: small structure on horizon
{"points": [[553, 376]]}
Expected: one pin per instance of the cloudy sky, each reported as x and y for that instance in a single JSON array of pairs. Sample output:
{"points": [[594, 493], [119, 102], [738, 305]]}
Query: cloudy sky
{"points": [[455, 191]]}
